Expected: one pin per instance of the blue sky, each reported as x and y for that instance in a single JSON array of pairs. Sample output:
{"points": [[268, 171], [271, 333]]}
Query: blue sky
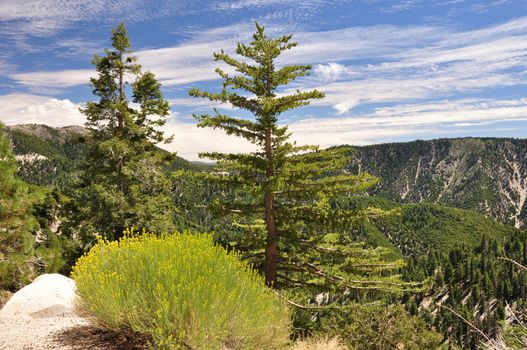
{"points": [[392, 70]]}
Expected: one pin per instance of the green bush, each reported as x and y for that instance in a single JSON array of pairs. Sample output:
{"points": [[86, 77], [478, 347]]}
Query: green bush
{"points": [[183, 291]]}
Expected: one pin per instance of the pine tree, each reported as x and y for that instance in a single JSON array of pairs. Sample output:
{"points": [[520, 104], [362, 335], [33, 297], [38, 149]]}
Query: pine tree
{"points": [[16, 221], [284, 195], [124, 182]]}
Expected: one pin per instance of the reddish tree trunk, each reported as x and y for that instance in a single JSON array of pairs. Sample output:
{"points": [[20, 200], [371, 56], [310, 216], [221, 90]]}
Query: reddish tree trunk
{"points": [[120, 116], [271, 249]]}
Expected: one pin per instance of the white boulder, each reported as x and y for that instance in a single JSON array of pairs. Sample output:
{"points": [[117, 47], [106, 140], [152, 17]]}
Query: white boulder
{"points": [[50, 295], [35, 314]]}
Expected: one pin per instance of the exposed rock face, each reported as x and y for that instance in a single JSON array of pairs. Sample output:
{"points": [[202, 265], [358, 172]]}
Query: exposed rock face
{"points": [[488, 175], [48, 133]]}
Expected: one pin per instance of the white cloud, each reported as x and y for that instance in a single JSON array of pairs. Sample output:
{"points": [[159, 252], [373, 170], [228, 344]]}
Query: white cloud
{"points": [[331, 71], [189, 140], [28, 109], [404, 63], [409, 121], [54, 80], [181, 65]]}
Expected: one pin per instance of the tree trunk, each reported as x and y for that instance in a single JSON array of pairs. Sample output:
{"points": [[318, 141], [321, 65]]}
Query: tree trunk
{"points": [[120, 116], [271, 250], [120, 119]]}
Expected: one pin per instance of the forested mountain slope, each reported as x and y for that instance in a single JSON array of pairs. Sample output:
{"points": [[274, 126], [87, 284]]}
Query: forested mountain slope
{"points": [[47, 155], [51, 156], [485, 174], [460, 253], [421, 228]]}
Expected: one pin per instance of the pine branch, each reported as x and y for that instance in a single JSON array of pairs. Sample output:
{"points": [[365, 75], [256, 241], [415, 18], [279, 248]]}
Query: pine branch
{"points": [[471, 325], [514, 262], [290, 302]]}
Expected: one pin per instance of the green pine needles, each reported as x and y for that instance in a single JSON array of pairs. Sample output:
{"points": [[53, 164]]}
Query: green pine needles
{"points": [[16, 221], [124, 181], [284, 195]]}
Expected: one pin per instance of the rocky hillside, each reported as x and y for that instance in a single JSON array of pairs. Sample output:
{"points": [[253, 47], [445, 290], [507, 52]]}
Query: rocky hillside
{"points": [[47, 155], [52, 156], [485, 174]]}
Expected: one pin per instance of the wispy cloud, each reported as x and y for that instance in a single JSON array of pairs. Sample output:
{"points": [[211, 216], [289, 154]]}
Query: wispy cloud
{"points": [[487, 5], [52, 81], [409, 122], [292, 9], [44, 17], [22, 21], [402, 5], [404, 64], [453, 63], [192, 61], [79, 48]]}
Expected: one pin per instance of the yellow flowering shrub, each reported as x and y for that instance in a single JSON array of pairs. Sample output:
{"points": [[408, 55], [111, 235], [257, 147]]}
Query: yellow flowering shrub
{"points": [[181, 290]]}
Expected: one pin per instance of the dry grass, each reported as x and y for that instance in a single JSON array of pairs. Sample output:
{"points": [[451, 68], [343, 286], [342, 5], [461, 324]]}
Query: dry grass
{"points": [[4, 297], [319, 344], [97, 338]]}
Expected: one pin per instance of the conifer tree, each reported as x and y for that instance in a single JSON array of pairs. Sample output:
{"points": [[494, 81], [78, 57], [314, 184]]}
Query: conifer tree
{"points": [[284, 195], [124, 182], [16, 221]]}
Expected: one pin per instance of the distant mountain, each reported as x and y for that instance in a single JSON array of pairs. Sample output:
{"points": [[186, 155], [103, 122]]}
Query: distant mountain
{"points": [[484, 174], [488, 175], [52, 156], [47, 155]]}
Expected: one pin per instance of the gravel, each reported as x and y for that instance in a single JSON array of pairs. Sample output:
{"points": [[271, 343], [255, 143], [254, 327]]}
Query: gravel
{"points": [[35, 314]]}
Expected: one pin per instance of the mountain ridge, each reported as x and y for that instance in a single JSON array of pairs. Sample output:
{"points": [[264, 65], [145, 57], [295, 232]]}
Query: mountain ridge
{"points": [[52, 155], [484, 174]]}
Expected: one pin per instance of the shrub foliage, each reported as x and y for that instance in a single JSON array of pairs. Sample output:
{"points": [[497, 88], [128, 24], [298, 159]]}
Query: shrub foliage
{"points": [[181, 290]]}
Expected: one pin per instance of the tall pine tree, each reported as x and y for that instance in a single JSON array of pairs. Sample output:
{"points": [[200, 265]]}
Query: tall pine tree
{"points": [[285, 196], [16, 222], [124, 182]]}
